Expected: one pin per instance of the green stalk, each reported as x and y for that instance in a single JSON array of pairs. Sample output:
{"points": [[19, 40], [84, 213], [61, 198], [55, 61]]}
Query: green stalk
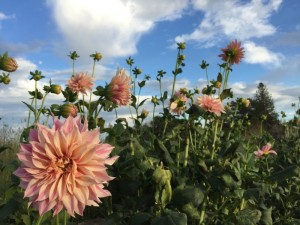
{"points": [[186, 151], [93, 72], [214, 140], [65, 217], [40, 111], [39, 220], [29, 113]]}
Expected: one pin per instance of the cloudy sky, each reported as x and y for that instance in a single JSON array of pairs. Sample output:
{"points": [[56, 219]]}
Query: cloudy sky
{"points": [[41, 33]]}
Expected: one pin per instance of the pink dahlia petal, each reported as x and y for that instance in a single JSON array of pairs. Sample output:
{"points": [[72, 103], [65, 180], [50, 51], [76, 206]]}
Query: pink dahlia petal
{"points": [[64, 167], [210, 104], [119, 88], [81, 83]]}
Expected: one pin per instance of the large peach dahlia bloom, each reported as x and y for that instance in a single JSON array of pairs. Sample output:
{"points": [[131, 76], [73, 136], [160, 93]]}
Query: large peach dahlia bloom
{"points": [[119, 88], [64, 167], [210, 104]]}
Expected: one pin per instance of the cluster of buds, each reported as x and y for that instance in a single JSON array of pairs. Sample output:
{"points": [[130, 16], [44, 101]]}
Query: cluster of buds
{"points": [[7, 63]]}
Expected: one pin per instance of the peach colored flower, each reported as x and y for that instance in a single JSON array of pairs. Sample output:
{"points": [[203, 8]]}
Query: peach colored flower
{"points": [[81, 82], [119, 88], [264, 151], [211, 104], [177, 105], [233, 53], [64, 167]]}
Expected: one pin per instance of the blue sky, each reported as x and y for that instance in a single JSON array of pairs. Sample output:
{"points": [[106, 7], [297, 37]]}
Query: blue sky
{"points": [[41, 33]]}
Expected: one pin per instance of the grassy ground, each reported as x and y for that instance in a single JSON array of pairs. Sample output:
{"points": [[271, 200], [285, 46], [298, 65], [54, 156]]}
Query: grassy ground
{"points": [[9, 143]]}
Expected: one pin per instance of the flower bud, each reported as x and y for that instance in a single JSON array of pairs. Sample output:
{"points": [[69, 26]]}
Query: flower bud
{"points": [[144, 114], [7, 63], [204, 90], [181, 57], [6, 79], [181, 45], [68, 109], [245, 102], [263, 117], [97, 56], [183, 91], [55, 89], [218, 84], [154, 100]]}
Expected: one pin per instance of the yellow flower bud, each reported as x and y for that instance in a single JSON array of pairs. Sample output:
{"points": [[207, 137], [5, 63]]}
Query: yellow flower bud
{"points": [[7, 63], [68, 109], [55, 89]]}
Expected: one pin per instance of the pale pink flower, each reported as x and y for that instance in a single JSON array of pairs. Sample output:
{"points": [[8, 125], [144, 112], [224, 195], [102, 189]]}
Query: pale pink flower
{"points": [[177, 105], [81, 82], [119, 88], [211, 104], [63, 167], [233, 53], [264, 151]]}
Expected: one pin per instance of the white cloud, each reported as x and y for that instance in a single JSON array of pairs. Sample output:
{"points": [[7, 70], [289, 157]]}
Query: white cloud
{"points": [[114, 27], [232, 19], [259, 54]]}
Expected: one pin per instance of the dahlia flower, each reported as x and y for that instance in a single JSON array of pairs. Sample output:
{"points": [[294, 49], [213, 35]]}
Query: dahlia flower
{"points": [[64, 167], [264, 151], [119, 88], [178, 102], [81, 82], [233, 53], [211, 104]]}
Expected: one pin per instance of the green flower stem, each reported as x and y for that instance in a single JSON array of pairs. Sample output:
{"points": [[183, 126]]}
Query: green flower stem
{"points": [[35, 99], [175, 75], [261, 128], [206, 73], [203, 207], [93, 73], [186, 151], [57, 219], [40, 111], [214, 140], [39, 220], [29, 113], [242, 206], [161, 95], [65, 217], [232, 122]]}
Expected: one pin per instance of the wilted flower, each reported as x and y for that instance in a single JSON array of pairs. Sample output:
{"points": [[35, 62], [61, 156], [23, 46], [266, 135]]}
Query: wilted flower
{"points": [[81, 82], [178, 101], [64, 167], [233, 53], [119, 88], [264, 151], [68, 109], [7, 63], [211, 104]]}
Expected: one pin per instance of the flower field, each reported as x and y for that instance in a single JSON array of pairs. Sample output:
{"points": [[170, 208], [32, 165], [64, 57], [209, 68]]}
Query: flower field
{"points": [[186, 156]]}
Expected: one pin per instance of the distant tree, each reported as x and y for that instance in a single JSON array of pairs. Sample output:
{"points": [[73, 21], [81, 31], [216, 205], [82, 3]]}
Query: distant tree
{"points": [[263, 105]]}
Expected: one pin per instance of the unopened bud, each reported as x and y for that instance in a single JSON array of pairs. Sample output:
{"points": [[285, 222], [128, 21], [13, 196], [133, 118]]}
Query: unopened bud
{"points": [[68, 109], [97, 56], [144, 114], [6, 79], [7, 63], [55, 89], [218, 84], [245, 102], [154, 100]]}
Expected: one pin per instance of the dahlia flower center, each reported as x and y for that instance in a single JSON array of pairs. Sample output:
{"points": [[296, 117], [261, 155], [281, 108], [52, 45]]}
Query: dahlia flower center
{"points": [[63, 164]]}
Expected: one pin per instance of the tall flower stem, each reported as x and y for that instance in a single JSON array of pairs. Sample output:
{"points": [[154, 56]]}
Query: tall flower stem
{"points": [[93, 74], [214, 140], [35, 100], [39, 220], [29, 113], [40, 111], [186, 150], [65, 217]]}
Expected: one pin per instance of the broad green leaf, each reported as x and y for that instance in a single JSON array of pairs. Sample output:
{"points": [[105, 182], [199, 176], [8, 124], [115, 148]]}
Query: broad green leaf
{"points": [[188, 194], [248, 217], [266, 218], [140, 218], [170, 218], [284, 174]]}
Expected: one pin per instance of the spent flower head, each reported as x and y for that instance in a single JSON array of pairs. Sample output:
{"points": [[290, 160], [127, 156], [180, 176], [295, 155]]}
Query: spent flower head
{"points": [[178, 102]]}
